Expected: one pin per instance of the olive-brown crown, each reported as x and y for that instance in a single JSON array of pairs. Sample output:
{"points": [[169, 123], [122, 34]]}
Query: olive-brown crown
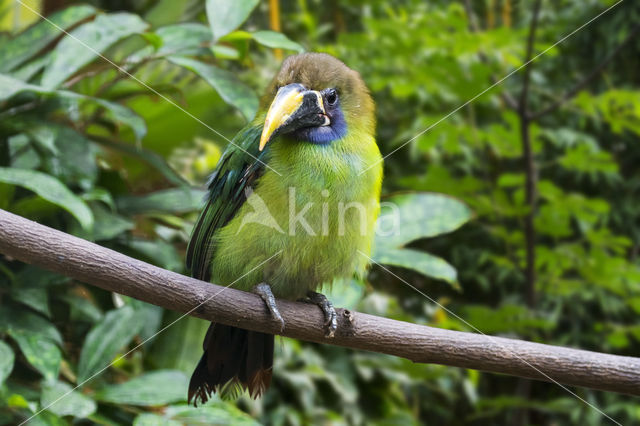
{"points": [[319, 71]]}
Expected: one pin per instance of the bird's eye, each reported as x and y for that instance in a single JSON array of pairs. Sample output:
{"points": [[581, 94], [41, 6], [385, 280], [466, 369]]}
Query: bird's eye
{"points": [[331, 97]]}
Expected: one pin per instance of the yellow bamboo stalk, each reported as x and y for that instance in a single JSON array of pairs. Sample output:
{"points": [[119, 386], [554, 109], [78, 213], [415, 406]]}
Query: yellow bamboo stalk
{"points": [[506, 13], [491, 18], [274, 22]]}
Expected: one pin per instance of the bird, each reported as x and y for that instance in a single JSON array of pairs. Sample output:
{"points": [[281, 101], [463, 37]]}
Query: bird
{"points": [[291, 206]]}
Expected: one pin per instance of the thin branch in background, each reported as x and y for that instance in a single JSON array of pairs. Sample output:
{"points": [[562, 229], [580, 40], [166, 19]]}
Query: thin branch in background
{"points": [[521, 415], [529, 164], [595, 72]]}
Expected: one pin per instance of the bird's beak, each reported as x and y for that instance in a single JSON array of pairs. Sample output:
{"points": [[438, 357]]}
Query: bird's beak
{"points": [[293, 108]]}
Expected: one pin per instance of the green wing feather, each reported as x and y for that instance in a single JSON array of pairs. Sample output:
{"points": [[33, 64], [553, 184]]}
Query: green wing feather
{"points": [[239, 167]]}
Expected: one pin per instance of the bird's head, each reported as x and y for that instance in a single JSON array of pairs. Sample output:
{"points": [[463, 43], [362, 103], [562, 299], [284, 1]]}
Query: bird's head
{"points": [[315, 98]]}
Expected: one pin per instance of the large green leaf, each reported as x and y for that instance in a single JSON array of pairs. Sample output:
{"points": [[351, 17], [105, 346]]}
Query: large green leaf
{"points": [[276, 40], [86, 42], [28, 43], [419, 261], [151, 389], [408, 217], [230, 89], [51, 189], [61, 399], [184, 39], [25, 321], [42, 353], [114, 332], [227, 15], [166, 201], [6, 361]]}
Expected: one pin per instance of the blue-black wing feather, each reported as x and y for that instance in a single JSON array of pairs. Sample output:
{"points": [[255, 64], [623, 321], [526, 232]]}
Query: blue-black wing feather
{"points": [[240, 166]]}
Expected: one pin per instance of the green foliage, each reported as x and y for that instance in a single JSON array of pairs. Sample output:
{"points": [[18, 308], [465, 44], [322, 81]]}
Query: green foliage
{"points": [[225, 16], [411, 217], [50, 189], [92, 151]]}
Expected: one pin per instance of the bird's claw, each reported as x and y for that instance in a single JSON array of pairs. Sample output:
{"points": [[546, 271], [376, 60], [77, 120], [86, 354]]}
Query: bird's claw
{"points": [[264, 291], [330, 315]]}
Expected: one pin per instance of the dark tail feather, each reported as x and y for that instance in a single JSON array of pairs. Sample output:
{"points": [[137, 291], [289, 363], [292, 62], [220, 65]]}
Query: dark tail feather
{"points": [[234, 359]]}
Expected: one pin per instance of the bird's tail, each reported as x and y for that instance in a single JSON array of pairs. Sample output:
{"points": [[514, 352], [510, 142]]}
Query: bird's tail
{"points": [[234, 359]]}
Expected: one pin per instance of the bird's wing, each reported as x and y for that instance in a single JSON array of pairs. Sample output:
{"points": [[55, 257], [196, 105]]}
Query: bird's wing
{"points": [[239, 167]]}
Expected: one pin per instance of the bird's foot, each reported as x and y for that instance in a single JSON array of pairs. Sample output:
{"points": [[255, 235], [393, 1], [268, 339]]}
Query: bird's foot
{"points": [[264, 291], [330, 315]]}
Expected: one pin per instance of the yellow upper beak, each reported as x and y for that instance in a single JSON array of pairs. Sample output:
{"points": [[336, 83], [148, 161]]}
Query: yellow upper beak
{"points": [[287, 102]]}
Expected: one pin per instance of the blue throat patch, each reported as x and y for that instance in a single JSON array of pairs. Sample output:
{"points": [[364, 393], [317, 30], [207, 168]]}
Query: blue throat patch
{"points": [[324, 135]]}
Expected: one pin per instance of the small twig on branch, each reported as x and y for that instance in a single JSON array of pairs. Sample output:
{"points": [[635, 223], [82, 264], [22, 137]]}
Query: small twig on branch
{"points": [[56, 251], [589, 78]]}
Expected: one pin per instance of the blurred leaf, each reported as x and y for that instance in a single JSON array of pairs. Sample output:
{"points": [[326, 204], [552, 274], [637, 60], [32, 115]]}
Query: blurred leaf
{"points": [[108, 225], [230, 89], [33, 296], [61, 399], [77, 165], [26, 321], [345, 293], [114, 332], [36, 338], [122, 114], [159, 253], [408, 217], [149, 419], [151, 389], [172, 348], [215, 412], [28, 43], [82, 308], [174, 201], [42, 353], [148, 157], [10, 87], [226, 15], [183, 39], [276, 40], [86, 42], [46, 418], [51, 190], [31, 68], [100, 194], [149, 315], [6, 361], [422, 262]]}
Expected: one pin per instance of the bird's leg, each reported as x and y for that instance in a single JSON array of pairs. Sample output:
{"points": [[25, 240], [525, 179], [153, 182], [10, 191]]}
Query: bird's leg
{"points": [[330, 315], [264, 291]]}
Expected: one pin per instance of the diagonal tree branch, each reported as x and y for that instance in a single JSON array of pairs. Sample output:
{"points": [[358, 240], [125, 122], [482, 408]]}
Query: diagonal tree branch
{"points": [[595, 72], [48, 248]]}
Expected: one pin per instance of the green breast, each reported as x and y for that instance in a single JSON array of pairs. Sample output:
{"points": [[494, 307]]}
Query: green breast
{"points": [[307, 226]]}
